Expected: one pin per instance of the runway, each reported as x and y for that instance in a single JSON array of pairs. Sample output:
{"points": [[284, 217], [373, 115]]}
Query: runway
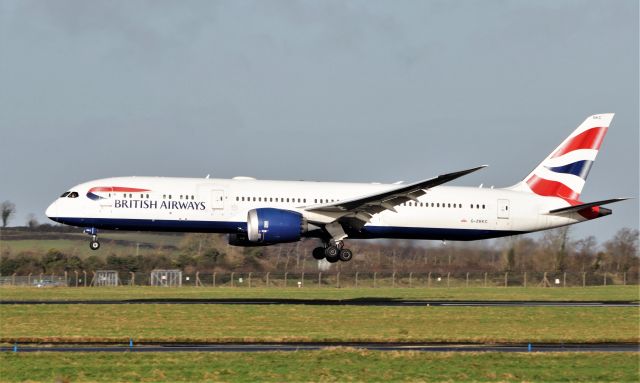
{"points": [[384, 302], [288, 347]]}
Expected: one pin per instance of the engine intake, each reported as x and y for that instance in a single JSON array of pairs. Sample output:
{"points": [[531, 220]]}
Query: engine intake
{"points": [[268, 225]]}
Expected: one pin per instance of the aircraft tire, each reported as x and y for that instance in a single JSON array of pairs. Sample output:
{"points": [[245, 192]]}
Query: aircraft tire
{"points": [[318, 253], [331, 252], [345, 255], [332, 259], [94, 245]]}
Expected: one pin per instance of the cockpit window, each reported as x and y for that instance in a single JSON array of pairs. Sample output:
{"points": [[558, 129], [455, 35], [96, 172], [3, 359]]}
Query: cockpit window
{"points": [[64, 194], [73, 195]]}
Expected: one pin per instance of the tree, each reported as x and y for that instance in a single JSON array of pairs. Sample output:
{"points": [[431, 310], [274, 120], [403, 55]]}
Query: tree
{"points": [[7, 210], [32, 222], [623, 248]]}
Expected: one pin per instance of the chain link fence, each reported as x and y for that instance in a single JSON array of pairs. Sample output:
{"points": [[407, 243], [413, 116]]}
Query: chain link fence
{"points": [[340, 280]]}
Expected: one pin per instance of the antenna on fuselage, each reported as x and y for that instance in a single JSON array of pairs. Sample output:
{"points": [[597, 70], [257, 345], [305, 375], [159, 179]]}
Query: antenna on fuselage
{"points": [[207, 177]]}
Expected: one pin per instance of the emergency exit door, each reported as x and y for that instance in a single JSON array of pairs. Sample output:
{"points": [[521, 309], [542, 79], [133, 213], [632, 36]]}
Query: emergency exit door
{"points": [[217, 199], [503, 209]]}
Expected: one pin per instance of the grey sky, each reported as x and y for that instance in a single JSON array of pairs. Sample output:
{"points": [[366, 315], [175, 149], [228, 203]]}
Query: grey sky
{"points": [[326, 90]]}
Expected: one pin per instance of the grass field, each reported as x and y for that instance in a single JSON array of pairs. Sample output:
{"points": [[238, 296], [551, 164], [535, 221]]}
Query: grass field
{"points": [[329, 366], [79, 243], [299, 323], [606, 293]]}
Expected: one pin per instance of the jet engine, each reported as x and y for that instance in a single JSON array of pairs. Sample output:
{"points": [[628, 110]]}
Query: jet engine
{"points": [[269, 225]]}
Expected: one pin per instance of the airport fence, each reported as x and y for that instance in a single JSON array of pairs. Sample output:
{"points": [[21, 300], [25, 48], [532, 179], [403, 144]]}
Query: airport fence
{"points": [[329, 279]]}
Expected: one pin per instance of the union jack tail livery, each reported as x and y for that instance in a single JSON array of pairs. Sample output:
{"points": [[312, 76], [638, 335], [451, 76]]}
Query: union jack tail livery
{"points": [[564, 172]]}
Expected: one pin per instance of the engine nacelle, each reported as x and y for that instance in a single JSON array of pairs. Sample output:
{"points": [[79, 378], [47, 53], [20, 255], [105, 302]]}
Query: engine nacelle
{"points": [[268, 225], [240, 239]]}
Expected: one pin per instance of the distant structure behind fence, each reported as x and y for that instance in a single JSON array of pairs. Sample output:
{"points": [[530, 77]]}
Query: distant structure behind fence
{"points": [[105, 278], [166, 278]]}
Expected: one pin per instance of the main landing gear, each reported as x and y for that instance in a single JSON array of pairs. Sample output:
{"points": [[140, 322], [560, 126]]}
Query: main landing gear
{"points": [[333, 252], [93, 232]]}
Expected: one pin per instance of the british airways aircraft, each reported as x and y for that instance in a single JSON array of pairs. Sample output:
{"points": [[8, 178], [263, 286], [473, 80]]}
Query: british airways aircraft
{"points": [[259, 213]]}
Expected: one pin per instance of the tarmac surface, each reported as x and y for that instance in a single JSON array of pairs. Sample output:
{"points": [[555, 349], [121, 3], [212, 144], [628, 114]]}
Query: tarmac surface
{"points": [[267, 347], [386, 302]]}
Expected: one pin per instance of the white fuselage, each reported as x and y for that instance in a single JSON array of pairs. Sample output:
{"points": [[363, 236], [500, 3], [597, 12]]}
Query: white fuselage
{"points": [[222, 205]]}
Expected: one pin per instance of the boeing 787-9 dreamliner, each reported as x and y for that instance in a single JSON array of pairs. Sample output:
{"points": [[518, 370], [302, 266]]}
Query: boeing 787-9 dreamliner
{"points": [[259, 212]]}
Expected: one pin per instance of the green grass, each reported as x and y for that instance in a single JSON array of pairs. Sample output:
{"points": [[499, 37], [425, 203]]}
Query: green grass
{"points": [[79, 243], [299, 323], [328, 366], [606, 293]]}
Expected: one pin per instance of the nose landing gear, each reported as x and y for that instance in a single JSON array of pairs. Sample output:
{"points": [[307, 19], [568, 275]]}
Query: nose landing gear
{"points": [[93, 232]]}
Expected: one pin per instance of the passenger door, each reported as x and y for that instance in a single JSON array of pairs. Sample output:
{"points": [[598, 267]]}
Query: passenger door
{"points": [[504, 215]]}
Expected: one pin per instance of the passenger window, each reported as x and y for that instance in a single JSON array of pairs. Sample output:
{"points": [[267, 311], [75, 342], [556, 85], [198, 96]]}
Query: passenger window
{"points": [[73, 195], [472, 206], [64, 194], [483, 206], [438, 204]]}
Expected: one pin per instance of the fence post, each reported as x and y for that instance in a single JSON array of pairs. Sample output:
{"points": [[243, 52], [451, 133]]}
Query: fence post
{"points": [[250, 279], [393, 279], [232, 275], [84, 272], [13, 279], [320, 279], [429, 279], [285, 279], [302, 279], [485, 279], [356, 279], [66, 278], [525, 279], [410, 278], [564, 279], [448, 274], [268, 278], [29, 279], [506, 279], [624, 278], [214, 279], [76, 273], [375, 273], [605, 278], [338, 280], [584, 279]]}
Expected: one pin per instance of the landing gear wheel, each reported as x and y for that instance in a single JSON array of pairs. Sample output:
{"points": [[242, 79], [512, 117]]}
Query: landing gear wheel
{"points": [[318, 253], [331, 252], [345, 255], [94, 245], [332, 259]]}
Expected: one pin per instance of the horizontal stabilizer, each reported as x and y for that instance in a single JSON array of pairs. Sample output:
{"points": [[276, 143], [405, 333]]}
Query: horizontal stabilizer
{"points": [[577, 208]]}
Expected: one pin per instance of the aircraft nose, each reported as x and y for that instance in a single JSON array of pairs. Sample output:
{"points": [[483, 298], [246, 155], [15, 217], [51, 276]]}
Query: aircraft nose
{"points": [[51, 210]]}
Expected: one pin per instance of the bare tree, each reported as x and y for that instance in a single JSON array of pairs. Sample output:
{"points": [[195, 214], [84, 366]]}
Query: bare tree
{"points": [[7, 209], [32, 221], [623, 248]]}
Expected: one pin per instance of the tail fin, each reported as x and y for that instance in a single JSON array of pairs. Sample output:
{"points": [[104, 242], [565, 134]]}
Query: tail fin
{"points": [[564, 172]]}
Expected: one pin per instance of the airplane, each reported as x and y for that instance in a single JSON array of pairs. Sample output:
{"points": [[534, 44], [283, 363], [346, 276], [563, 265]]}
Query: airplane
{"points": [[260, 212]]}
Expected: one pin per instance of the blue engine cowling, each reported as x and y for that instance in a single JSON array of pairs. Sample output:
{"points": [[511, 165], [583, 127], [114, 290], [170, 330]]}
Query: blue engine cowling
{"points": [[268, 225]]}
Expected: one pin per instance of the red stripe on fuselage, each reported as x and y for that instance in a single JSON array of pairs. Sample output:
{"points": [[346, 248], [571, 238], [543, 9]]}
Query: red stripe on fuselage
{"points": [[589, 139], [549, 188], [116, 189]]}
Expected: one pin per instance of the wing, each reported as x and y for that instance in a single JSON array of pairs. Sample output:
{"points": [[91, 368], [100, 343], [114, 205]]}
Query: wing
{"points": [[363, 208]]}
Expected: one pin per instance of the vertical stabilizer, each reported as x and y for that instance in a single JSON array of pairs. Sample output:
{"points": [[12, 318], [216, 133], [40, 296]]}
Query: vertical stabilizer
{"points": [[564, 172]]}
